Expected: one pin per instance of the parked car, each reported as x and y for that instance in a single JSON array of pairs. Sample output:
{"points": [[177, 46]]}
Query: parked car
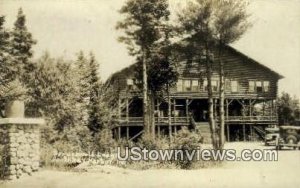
{"points": [[289, 136], [271, 136]]}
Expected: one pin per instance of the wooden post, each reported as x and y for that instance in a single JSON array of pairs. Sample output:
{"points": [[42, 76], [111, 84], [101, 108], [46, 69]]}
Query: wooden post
{"points": [[158, 130], [263, 107], [272, 106], [244, 132], [169, 114], [227, 109], [228, 133], [174, 109], [251, 132], [250, 108], [187, 107], [119, 108], [127, 110], [215, 107], [127, 132], [119, 133]]}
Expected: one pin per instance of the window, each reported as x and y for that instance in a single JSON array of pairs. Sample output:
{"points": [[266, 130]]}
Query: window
{"points": [[266, 86], [205, 85], [129, 83], [234, 86], [259, 87], [179, 85], [187, 85], [195, 85], [214, 85], [227, 85], [251, 86]]}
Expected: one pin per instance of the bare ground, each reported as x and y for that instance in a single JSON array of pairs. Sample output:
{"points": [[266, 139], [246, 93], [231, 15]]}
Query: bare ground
{"points": [[282, 173]]}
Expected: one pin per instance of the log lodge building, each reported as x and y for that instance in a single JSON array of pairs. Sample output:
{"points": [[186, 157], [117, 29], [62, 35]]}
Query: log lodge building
{"points": [[250, 94]]}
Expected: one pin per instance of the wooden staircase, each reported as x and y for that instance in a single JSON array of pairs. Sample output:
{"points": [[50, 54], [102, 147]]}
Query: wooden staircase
{"points": [[204, 129]]}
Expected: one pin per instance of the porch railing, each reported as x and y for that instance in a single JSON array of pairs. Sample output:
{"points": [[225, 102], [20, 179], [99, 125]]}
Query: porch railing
{"points": [[251, 118], [186, 120]]}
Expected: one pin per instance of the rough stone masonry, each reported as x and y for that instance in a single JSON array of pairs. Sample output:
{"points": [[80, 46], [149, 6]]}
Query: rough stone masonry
{"points": [[20, 141]]}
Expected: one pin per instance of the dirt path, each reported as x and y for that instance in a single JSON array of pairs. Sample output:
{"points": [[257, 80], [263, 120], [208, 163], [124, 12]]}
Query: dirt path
{"points": [[283, 173]]}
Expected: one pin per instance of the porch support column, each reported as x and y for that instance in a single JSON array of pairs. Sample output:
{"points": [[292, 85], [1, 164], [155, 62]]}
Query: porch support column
{"points": [[119, 133], [215, 107], [158, 131], [169, 116], [187, 109], [272, 106], [227, 110], [228, 133], [119, 108], [174, 109], [250, 108], [251, 132], [127, 110], [244, 132], [127, 132]]}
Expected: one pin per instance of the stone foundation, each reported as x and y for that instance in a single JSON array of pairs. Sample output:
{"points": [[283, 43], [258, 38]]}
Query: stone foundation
{"points": [[19, 138]]}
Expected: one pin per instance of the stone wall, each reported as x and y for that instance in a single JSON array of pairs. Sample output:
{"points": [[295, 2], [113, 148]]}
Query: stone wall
{"points": [[19, 138]]}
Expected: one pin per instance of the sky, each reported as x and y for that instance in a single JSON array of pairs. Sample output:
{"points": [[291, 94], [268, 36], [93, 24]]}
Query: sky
{"points": [[64, 27]]}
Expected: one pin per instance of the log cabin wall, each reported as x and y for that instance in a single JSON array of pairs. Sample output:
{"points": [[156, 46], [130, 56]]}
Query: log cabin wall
{"points": [[237, 67], [247, 82], [250, 77]]}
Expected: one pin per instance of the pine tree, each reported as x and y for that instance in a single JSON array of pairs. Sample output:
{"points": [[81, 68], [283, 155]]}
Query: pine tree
{"points": [[143, 25], [5, 67], [209, 25], [90, 96], [21, 48], [95, 106]]}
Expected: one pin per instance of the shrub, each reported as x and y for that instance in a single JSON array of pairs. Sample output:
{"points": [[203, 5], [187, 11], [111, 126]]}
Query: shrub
{"points": [[186, 141], [104, 141]]}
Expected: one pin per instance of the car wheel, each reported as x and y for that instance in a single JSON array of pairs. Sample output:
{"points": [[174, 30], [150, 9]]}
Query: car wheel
{"points": [[291, 139]]}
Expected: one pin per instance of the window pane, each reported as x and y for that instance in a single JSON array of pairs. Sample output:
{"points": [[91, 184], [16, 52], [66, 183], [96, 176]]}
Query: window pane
{"points": [[251, 86], [187, 85], [258, 84], [195, 85], [259, 87], [129, 82], [179, 85], [205, 85], [227, 85], [234, 86], [214, 85], [266, 86]]}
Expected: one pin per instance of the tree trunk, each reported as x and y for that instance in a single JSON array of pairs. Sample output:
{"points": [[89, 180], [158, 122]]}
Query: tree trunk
{"points": [[151, 115], [169, 112], [221, 103], [210, 101], [145, 97]]}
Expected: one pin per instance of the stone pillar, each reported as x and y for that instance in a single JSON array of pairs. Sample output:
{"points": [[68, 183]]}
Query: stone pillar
{"points": [[20, 138]]}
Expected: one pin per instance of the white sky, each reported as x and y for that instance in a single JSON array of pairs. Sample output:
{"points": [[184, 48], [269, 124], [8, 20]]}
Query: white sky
{"points": [[63, 27]]}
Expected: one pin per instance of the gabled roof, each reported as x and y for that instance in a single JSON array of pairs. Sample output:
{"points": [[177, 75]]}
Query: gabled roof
{"points": [[233, 50], [129, 70]]}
